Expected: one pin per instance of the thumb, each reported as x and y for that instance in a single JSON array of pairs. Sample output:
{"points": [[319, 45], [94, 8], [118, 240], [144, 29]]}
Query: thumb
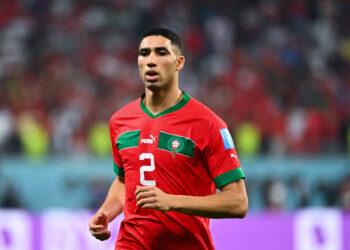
{"points": [[101, 214], [102, 218]]}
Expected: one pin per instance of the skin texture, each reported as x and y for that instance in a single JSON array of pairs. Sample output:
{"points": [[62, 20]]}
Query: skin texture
{"points": [[231, 202], [156, 53], [113, 206], [159, 63]]}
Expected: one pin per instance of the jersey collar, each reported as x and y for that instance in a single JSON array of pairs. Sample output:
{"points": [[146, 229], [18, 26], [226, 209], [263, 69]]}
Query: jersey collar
{"points": [[186, 97]]}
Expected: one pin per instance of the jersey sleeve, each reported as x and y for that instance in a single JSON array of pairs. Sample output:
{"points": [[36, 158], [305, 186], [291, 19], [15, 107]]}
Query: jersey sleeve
{"points": [[221, 157], [117, 163]]}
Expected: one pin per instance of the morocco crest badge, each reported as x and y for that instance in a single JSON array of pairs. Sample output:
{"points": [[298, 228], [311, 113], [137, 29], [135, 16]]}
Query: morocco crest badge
{"points": [[175, 144]]}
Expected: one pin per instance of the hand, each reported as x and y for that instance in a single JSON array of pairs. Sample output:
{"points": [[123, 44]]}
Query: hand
{"points": [[152, 197], [98, 226]]}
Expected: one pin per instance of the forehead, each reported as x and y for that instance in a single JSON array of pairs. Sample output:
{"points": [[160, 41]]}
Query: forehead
{"points": [[155, 41]]}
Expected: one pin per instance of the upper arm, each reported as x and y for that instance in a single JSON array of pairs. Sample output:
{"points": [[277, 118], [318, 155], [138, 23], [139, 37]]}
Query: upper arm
{"points": [[221, 156], [236, 187], [117, 162], [121, 179], [237, 194]]}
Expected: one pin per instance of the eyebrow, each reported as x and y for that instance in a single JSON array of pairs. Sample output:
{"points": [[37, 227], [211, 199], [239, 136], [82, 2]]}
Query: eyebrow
{"points": [[156, 48]]}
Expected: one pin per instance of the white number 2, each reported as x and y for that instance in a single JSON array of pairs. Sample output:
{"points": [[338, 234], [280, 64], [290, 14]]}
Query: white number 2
{"points": [[144, 169]]}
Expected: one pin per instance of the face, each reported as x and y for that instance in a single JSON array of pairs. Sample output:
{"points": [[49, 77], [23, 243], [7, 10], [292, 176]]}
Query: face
{"points": [[159, 61]]}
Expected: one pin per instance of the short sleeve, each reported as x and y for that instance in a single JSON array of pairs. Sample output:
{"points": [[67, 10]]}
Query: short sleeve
{"points": [[221, 156], [117, 163]]}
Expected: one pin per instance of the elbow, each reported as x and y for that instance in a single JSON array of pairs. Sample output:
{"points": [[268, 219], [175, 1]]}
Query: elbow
{"points": [[240, 211]]}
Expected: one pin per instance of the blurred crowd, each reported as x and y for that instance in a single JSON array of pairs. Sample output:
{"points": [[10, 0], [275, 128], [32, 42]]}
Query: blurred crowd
{"points": [[270, 194], [277, 71], [295, 192]]}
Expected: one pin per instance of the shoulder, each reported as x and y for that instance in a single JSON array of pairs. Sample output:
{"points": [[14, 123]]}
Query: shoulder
{"points": [[127, 109], [206, 125], [126, 112], [204, 113]]}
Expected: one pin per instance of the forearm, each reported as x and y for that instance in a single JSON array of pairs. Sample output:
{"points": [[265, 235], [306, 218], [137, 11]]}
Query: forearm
{"points": [[226, 204], [212, 206], [114, 202]]}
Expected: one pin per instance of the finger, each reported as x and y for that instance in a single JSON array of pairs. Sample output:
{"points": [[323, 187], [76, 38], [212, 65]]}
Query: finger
{"points": [[146, 201], [143, 189], [151, 206], [145, 194], [104, 236], [99, 233], [137, 190], [101, 214], [102, 218], [96, 227]]}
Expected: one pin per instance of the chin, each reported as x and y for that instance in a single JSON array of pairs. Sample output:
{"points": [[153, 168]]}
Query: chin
{"points": [[153, 85]]}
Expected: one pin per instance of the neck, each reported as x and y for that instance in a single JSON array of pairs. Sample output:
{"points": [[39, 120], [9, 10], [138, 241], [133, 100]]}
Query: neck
{"points": [[158, 100]]}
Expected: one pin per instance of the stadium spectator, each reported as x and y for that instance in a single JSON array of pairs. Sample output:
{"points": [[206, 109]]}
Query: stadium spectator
{"points": [[344, 193], [275, 194], [283, 64], [10, 197]]}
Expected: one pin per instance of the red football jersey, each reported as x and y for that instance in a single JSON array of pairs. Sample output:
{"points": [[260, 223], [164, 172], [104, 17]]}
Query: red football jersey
{"points": [[184, 150]]}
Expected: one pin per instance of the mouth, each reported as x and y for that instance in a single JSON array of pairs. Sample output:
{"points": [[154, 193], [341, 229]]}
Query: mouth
{"points": [[151, 75]]}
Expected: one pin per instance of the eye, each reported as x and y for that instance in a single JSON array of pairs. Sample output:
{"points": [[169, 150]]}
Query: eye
{"points": [[162, 52], [143, 53]]}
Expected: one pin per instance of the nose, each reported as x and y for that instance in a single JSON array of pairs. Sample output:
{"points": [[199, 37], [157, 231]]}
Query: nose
{"points": [[151, 60], [151, 65]]}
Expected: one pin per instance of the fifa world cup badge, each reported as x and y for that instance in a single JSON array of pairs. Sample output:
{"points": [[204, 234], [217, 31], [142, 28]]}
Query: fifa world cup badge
{"points": [[175, 144]]}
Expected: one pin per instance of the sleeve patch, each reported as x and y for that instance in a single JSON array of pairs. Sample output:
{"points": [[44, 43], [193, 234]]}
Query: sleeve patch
{"points": [[227, 138]]}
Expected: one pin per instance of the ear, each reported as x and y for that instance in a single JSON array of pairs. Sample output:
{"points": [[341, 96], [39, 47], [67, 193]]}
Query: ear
{"points": [[180, 63]]}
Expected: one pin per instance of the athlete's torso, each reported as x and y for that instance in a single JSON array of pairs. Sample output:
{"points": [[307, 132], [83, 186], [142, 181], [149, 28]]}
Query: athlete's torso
{"points": [[171, 151]]}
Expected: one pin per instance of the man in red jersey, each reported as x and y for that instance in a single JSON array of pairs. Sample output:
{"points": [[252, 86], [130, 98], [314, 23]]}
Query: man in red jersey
{"points": [[170, 153]]}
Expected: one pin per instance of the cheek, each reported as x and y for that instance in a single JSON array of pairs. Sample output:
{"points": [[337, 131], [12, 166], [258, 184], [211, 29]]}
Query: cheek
{"points": [[170, 67], [140, 66], [141, 62]]}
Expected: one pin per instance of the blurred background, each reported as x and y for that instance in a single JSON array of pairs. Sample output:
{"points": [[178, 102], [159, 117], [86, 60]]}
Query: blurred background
{"points": [[277, 71]]}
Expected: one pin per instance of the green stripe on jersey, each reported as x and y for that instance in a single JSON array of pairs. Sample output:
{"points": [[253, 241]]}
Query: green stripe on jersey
{"points": [[229, 176], [118, 170], [128, 139], [186, 97], [181, 145]]}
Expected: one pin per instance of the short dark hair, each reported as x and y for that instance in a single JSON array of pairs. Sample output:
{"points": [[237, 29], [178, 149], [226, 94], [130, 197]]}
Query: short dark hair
{"points": [[171, 35]]}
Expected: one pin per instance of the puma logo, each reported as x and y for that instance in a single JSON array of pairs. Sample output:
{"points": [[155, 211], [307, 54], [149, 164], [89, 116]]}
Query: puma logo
{"points": [[149, 141]]}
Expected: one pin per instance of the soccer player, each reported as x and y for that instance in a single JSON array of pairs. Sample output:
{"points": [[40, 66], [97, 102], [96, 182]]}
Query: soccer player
{"points": [[170, 153]]}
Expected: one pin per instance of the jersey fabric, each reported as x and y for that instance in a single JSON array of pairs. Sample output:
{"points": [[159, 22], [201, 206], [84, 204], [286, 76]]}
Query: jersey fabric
{"points": [[185, 150]]}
